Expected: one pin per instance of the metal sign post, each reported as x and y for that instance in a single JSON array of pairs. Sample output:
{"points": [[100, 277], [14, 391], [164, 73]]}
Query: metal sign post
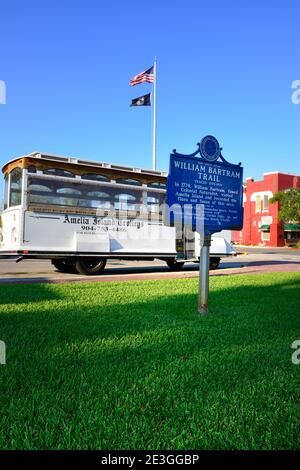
{"points": [[204, 277]]}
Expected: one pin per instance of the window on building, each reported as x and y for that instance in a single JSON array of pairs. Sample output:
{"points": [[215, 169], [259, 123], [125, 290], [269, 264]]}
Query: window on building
{"points": [[15, 195], [266, 203], [265, 236], [257, 204]]}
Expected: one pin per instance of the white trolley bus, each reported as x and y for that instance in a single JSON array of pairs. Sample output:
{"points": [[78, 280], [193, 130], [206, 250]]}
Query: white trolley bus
{"points": [[80, 213]]}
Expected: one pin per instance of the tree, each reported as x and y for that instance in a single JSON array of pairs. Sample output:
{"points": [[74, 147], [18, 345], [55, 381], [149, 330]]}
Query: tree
{"points": [[289, 204]]}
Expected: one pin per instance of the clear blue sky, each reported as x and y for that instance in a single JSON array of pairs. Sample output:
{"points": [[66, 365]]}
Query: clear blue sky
{"points": [[225, 67]]}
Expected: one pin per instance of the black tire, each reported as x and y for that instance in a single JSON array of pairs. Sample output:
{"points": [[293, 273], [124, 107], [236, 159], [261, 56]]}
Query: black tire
{"points": [[90, 265], [174, 265], [214, 262], [64, 265]]}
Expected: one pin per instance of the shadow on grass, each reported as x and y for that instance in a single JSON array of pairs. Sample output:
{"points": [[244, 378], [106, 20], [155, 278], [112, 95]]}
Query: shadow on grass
{"points": [[237, 314], [14, 294]]}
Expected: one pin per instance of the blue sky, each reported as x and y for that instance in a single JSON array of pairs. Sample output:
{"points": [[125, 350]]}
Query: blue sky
{"points": [[225, 67]]}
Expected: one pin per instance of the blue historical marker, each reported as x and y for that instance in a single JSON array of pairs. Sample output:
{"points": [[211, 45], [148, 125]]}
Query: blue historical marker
{"points": [[205, 192], [200, 184]]}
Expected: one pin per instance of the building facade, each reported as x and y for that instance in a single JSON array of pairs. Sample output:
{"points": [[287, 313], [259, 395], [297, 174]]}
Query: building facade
{"points": [[261, 225]]}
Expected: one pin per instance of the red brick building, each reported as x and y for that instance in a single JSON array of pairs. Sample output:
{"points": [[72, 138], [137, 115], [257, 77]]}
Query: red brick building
{"points": [[261, 225]]}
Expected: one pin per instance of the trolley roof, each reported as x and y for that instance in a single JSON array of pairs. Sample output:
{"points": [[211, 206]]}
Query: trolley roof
{"points": [[39, 156]]}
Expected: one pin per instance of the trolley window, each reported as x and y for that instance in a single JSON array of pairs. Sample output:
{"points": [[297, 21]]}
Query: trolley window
{"points": [[15, 196], [154, 201], [58, 172], [126, 202], [157, 184], [94, 177], [129, 181], [153, 204], [5, 192], [99, 199], [31, 169], [68, 191], [61, 193]]}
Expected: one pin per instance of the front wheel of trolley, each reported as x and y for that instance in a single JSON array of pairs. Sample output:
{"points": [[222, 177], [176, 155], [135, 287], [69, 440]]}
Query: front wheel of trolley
{"points": [[174, 265], [90, 265]]}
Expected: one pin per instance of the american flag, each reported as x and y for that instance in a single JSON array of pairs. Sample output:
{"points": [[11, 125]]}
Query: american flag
{"points": [[146, 76]]}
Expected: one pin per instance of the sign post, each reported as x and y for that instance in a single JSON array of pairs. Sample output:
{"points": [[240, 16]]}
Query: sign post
{"points": [[204, 277], [199, 180]]}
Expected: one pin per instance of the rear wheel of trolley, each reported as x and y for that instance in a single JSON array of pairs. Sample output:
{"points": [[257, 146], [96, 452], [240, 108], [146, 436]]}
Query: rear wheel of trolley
{"points": [[214, 262], [64, 265], [174, 265], [90, 265]]}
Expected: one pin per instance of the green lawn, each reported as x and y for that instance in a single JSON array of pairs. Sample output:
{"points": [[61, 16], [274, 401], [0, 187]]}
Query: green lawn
{"points": [[131, 365]]}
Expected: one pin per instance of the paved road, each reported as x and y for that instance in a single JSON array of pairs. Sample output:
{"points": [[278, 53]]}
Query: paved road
{"points": [[258, 261]]}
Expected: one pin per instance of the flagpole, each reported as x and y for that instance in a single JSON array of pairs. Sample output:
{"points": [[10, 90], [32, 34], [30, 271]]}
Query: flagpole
{"points": [[154, 118]]}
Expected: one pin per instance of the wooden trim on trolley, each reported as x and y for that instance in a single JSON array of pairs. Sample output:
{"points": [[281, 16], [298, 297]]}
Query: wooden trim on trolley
{"points": [[81, 169]]}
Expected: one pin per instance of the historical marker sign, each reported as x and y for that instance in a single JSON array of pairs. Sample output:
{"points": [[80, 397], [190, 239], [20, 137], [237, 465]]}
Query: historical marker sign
{"points": [[205, 192], [217, 186]]}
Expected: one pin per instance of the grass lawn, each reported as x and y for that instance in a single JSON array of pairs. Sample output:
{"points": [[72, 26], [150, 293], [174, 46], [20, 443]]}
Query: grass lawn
{"points": [[131, 366]]}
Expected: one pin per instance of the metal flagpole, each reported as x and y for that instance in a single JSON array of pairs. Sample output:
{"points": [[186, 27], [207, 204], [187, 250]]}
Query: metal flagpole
{"points": [[154, 118]]}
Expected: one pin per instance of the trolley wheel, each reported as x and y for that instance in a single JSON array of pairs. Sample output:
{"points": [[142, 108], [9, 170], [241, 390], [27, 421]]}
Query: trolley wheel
{"points": [[64, 265], [214, 262], [174, 265], [90, 265]]}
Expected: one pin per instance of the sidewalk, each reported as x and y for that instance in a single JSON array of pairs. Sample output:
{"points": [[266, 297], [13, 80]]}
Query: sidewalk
{"points": [[287, 248]]}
